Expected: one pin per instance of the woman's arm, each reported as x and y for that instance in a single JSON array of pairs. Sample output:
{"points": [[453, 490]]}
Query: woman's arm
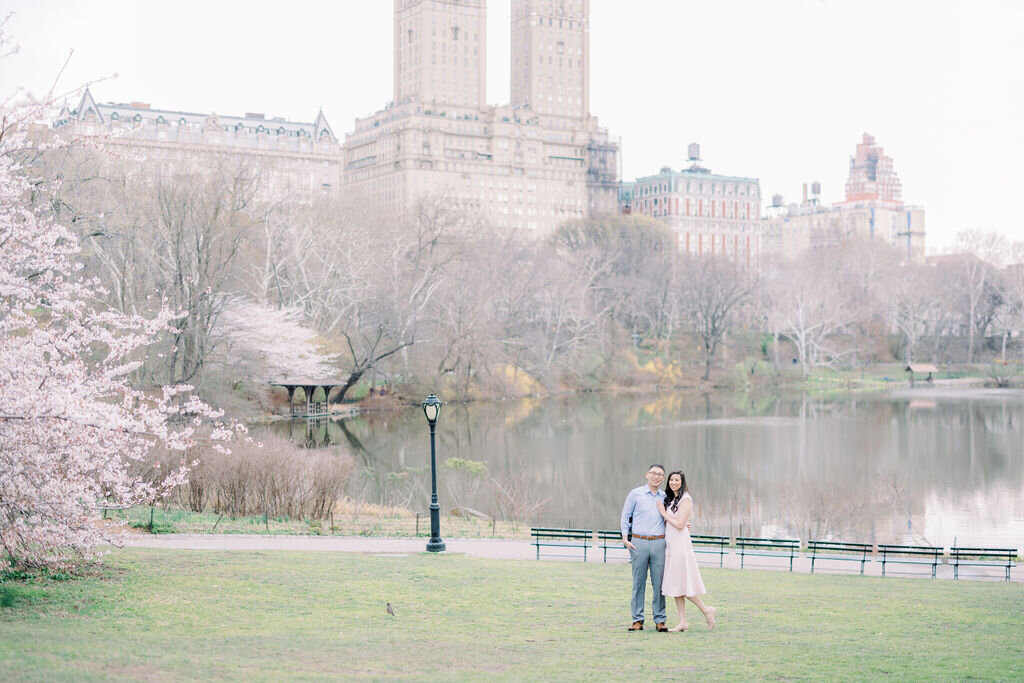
{"points": [[683, 516], [674, 519]]}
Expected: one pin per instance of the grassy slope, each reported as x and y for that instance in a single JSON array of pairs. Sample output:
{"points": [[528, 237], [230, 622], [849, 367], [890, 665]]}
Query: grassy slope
{"points": [[173, 615]]}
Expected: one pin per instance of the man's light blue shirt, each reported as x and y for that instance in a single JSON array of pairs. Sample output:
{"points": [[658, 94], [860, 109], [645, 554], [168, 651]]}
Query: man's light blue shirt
{"points": [[642, 505]]}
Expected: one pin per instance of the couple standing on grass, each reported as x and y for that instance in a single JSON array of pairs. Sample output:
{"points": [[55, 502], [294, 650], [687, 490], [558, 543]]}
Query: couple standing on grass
{"points": [[655, 527]]}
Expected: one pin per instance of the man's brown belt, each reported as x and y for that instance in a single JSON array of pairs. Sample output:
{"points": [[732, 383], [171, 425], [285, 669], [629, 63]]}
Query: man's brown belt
{"points": [[650, 538]]}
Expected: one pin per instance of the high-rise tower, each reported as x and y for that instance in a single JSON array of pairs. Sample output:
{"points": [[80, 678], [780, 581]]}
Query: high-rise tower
{"points": [[872, 175], [529, 165], [441, 52], [873, 209], [551, 56]]}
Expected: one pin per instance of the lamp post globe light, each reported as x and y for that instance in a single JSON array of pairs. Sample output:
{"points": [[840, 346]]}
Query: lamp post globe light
{"points": [[432, 408]]}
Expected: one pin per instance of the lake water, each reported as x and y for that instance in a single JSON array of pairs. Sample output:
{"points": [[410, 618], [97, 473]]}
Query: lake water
{"points": [[916, 466]]}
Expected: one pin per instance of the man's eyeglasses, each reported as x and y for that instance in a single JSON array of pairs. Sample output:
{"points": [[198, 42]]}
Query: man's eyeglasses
{"points": [[656, 474]]}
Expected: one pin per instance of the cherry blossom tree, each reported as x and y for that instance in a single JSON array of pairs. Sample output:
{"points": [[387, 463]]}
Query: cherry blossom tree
{"points": [[71, 426], [267, 343]]}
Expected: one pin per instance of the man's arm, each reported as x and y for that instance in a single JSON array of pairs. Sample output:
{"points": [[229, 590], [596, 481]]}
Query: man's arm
{"points": [[627, 512]]}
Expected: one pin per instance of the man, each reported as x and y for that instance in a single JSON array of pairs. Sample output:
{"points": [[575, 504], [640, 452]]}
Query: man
{"points": [[647, 546]]}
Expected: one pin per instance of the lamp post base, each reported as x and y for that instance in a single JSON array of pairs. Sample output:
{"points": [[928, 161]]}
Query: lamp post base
{"points": [[435, 545]]}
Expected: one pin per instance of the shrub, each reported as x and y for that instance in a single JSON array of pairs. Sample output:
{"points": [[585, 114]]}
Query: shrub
{"points": [[272, 476]]}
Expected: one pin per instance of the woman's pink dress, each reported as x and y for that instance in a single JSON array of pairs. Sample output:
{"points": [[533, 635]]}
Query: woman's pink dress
{"points": [[682, 575]]}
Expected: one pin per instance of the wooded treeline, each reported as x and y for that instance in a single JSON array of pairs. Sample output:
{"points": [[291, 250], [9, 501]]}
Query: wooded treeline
{"points": [[271, 287]]}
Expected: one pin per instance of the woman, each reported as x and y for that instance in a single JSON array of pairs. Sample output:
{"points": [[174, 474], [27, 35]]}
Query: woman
{"points": [[682, 576]]}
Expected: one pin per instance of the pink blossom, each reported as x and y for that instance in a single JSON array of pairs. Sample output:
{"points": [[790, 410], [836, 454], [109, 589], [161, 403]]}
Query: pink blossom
{"points": [[70, 423]]}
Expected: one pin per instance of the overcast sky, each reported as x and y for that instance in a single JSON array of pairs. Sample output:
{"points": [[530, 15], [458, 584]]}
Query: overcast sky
{"points": [[780, 90]]}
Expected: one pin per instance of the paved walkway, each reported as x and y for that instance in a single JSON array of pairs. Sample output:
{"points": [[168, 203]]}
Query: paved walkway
{"points": [[499, 549]]}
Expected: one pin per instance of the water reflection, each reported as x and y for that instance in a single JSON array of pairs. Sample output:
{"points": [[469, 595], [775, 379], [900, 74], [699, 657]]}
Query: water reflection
{"points": [[910, 467]]}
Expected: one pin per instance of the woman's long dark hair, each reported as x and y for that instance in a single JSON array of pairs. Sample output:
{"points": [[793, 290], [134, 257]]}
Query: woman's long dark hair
{"points": [[671, 502]]}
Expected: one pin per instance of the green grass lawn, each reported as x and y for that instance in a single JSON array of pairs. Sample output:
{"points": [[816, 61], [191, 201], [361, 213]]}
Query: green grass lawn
{"points": [[160, 615]]}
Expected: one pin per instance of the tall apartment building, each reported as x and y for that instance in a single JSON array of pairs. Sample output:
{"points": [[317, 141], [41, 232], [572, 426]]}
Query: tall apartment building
{"points": [[550, 59], [529, 165], [709, 214], [441, 52], [873, 209]]}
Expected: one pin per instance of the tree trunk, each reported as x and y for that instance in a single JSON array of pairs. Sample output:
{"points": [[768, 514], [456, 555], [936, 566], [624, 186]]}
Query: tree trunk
{"points": [[349, 383]]}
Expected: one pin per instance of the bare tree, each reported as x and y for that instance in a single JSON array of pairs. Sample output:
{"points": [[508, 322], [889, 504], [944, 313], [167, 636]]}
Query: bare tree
{"points": [[712, 290], [156, 238], [862, 270], [807, 309], [915, 305], [467, 322], [199, 228], [412, 260], [980, 254], [1014, 291]]}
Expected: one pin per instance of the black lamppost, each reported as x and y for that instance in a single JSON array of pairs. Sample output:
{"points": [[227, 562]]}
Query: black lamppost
{"points": [[432, 408]]}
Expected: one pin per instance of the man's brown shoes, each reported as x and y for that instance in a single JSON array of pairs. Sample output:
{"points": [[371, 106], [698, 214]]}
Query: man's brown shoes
{"points": [[639, 626]]}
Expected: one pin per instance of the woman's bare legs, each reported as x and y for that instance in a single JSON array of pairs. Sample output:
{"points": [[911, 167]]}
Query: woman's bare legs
{"points": [[708, 612], [681, 606]]}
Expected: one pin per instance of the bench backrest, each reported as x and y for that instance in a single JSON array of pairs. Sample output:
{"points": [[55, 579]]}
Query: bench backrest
{"points": [[838, 547], [567, 534], [926, 550], [1008, 554], [609, 535], [768, 543], [699, 539]]}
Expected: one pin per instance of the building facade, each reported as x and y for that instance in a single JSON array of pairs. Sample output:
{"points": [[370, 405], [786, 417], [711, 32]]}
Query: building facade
{"points": [[528, 165], [709, 214], [294, 159], [550, 59], [441, 52], [873, 209]]}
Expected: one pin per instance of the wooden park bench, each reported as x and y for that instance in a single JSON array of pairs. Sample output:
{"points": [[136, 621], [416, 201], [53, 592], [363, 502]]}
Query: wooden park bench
{"points": [[562, 538], [768, 547], [838, 550], [711, 544], [982, 557], [910, 554]]}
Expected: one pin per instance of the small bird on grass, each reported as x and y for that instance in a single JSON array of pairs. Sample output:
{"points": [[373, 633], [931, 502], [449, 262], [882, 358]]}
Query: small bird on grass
{"points": [[391, 610]]}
